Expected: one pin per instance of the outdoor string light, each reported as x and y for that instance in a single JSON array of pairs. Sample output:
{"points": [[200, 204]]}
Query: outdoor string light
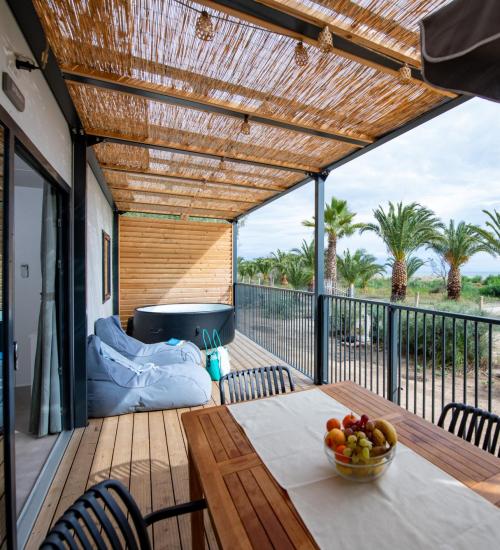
{"points": [[245, 126], [405, 74], [325, 40], [204, 29], [300, 55]]}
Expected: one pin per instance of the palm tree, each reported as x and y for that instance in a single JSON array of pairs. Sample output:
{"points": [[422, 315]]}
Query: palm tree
{"points": [[358, 267], [249, 269], [264, 267], [413, 264], [404, 229], [306, 254], [280, 261], [491, 236], [338, 224], [298, 274], [456, 245]]}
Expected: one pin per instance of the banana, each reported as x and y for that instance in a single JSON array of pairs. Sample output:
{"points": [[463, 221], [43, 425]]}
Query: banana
{"points": [[387, 430], [378, 437]]}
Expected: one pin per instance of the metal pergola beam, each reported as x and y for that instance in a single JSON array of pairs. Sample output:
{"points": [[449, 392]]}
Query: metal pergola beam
{"points": [[103, 137], [447, 105], [300, 27], [206, 107]]}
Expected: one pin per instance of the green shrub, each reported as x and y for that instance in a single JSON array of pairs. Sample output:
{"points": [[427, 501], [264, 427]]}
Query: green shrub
{"points": [[492, 289], [464, 345]]}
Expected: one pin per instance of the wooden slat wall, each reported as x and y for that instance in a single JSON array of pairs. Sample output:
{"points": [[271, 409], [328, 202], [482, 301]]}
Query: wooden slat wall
{"points": [[171, 261]]}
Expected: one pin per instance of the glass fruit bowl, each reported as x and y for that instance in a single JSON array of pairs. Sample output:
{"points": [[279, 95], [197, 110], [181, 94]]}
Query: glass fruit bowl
{"points": [[373, 468]]}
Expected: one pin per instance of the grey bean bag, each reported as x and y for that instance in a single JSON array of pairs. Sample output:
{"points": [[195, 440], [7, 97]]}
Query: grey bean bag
{"points": [[117, 385], [110, 331]]}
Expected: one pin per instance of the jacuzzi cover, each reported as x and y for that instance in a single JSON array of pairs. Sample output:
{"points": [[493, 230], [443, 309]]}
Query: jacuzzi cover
{"points": [[110, 331], [117, 385]]}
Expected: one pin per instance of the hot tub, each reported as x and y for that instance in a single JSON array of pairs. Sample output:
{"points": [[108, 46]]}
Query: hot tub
{"points": [[153, 324]]}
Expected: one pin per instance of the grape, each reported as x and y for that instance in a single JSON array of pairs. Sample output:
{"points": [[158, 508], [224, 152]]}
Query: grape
{"points": [[361, 435], [363, 420], [364, 443], [347, 451], [351, 445], [370, 426], [365, 453], [348, 432], [352, 439]]}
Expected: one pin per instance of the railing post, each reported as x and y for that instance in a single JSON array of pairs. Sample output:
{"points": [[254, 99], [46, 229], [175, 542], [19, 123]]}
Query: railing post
{"points": [[393, 353], [235, 266], [320, 322]]}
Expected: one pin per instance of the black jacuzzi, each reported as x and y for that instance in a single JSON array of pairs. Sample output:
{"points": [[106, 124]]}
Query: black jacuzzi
{"points": [[153, 324]]}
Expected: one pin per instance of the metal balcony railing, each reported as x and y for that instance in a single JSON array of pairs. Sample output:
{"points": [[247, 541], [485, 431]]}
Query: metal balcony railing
{"points": [[419, 358]]}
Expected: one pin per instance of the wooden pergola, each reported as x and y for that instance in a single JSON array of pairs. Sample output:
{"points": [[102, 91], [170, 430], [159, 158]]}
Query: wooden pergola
{"points": [[216, 128]]}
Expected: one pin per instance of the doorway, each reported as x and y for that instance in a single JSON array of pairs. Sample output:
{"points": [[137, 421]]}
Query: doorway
{"points": [[38, 373]]}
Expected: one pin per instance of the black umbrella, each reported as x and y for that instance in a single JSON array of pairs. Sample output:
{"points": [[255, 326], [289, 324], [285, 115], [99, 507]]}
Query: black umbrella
{"points": [[460, 45]]}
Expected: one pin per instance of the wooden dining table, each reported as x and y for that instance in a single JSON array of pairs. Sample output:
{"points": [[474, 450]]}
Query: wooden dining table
{"points": [[249, 509]]}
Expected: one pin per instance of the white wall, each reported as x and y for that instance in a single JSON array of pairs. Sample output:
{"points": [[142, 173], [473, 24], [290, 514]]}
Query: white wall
{"points": [[41, 119], [99, 218], [28, 204]]}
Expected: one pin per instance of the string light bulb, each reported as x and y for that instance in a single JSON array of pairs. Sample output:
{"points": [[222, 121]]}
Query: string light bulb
{"points": [[325, 40], [301, 56], [405, 74], [204, 29], [245, 126]]}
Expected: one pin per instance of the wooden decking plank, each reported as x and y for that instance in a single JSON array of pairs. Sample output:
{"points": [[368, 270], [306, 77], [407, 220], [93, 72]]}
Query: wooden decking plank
{"points": [[79, 473], [166, 532], [179, 468], [101, 464], [140, 469], [50, 504]]}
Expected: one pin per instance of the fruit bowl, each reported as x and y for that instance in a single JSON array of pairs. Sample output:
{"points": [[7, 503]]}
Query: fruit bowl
{"points": [[374, 467], [360, 449]]}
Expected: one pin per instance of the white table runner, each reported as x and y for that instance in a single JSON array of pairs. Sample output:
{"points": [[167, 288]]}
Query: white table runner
{"points": [[415, 505]]}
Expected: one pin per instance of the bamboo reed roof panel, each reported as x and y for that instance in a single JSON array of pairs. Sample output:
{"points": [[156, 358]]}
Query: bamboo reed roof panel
{"points": [[243, 66], [248, 67], [169, 186], [138, 159], [127, 116], [386, 23]]}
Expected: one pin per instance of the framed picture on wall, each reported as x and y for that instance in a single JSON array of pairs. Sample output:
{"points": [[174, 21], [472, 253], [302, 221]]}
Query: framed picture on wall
{"points": [[106, 267]]}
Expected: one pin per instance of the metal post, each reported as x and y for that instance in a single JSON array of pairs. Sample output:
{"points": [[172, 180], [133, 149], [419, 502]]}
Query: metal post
{"points": [[235, 265], [320, 318], [116, 262], [393, 354], [79, 274]]}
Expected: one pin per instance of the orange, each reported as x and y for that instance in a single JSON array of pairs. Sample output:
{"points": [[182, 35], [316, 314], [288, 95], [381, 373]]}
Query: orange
{"points": [[329, 442], [332, 423], [339, 456]]}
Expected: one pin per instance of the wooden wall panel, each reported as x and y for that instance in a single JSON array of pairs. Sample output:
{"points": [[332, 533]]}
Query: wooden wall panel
{"points": [[170, 261]]}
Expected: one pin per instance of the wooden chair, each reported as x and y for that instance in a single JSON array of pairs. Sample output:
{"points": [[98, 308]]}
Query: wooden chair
{"points": [[245, 385], [474, 425], [98, 520]]}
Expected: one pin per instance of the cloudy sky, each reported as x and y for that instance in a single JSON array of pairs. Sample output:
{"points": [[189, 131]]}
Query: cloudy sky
{"points": [[450, 164]]}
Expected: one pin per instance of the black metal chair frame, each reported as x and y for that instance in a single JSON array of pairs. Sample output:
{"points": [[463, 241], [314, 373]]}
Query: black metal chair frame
{"points": [[98, 518], [248, 384], [472, 424]]}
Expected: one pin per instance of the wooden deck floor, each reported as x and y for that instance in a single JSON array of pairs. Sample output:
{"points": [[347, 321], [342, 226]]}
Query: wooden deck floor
{"points": [[147, 452]]}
